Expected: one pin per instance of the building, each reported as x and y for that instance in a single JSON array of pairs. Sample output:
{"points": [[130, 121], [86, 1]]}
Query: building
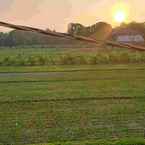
{"points": [[128, 35], [99, 31]]}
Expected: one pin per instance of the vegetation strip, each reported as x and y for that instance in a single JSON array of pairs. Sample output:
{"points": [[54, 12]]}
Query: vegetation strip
{"points": [[73, 80], [75, 70], [126, 141], [72, 99]]}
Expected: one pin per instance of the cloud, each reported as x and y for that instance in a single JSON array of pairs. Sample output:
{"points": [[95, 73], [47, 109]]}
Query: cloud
{"points": [[19, 9], [5, 5], [56, 14], [44, 13]]}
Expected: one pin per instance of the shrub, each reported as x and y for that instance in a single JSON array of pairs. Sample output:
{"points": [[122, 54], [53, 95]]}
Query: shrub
{"points": [[32, 58]]}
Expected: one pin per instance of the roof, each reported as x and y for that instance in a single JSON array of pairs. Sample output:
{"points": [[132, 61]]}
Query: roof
{"points": [[126, 31]]}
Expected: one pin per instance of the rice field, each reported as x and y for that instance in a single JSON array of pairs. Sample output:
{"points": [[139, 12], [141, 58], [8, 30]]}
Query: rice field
{"points": [[72, 104]]}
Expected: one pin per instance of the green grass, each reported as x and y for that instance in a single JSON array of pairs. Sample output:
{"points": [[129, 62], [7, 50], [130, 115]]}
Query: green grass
{"points": [[72, 104], [110, 82], [74, 117], [69, 68], [129, 141], [44, 122]]}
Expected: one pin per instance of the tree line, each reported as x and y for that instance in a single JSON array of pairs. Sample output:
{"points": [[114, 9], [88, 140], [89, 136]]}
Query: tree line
{"points": [[22, 38], [16, 37]]}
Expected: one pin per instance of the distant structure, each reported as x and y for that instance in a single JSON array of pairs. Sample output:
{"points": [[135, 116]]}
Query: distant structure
{"points": [[133, 33], [75, 28], [126, 35], [98, 31]]}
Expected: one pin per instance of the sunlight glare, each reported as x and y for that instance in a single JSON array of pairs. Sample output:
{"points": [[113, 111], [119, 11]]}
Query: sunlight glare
{"points": [[120, 12], [120, 16]]}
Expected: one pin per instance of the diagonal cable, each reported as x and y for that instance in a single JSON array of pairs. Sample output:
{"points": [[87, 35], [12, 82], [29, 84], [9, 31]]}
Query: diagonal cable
{"points": [[74, 37]]}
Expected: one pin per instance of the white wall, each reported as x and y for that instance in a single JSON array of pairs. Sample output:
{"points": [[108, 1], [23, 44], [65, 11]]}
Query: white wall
{"points": [[130, 38]]}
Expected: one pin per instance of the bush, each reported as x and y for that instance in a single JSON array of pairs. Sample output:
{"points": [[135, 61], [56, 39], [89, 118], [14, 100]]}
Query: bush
{"points": [[67, 60], [106, 57]]}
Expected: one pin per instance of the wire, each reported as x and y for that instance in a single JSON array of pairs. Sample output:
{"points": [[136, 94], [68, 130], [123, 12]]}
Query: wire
{"points": [[68, 36]]}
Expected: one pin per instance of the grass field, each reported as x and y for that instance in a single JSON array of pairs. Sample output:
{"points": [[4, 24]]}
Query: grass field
{"points": [[130, 141], [71, 104], [75, 104]]}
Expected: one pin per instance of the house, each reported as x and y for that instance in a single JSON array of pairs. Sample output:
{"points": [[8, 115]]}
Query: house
{"points": [[128, 35]]}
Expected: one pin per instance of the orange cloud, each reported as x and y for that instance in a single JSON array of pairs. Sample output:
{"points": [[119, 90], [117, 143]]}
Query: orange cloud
{"points": [[56, 14]]}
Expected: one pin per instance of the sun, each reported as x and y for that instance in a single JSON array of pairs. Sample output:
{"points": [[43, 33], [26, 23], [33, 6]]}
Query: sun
{"points": [[120, 12], [120, 16]]}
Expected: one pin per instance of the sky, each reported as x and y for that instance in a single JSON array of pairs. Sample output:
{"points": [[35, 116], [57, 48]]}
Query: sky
{"points": [[56, 14]]}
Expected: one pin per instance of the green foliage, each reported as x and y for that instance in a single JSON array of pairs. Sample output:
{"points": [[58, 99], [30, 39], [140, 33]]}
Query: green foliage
{"points": [[45, 57], [126, 141], [130, 142]]}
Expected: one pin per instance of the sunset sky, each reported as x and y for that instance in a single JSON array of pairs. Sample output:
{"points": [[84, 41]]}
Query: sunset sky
{"points": [[56, 14]]}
